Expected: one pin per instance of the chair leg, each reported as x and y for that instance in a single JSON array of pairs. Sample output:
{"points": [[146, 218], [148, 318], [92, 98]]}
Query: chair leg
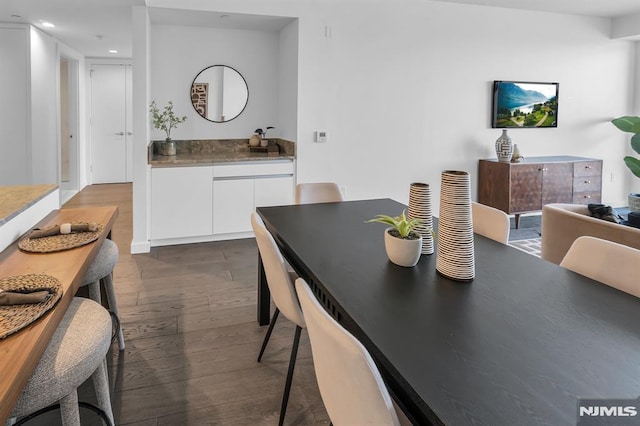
{"points": [[113, 305], [94, 291], [101, 386], [69, 409], [268, 335], [292, 365]]}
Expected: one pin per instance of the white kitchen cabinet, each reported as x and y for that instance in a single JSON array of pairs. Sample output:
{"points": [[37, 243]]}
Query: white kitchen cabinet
{"points": [[181, 202], [215, 202], [232, 205], [273, 191]]}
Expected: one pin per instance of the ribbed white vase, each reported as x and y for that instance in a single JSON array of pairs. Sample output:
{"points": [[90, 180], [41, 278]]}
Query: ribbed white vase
{"points": [[504, 147], [420, 208], [455, 256]]}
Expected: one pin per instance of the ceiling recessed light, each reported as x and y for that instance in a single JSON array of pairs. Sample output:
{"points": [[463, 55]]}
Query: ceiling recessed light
{"points": [[113, 51], [47, 24]]}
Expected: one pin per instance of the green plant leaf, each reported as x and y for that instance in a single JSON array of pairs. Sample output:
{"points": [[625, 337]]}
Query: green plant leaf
{"points": [[400, 223], [635, 143], [627, 124], [633, 164]]}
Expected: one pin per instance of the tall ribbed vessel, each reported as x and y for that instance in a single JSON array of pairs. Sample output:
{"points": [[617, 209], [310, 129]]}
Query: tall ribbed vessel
{"points": [[420, 208], [455, 253]]}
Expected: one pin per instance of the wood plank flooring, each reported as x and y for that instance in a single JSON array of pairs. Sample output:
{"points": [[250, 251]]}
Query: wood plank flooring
{"points": [[189, 318]]}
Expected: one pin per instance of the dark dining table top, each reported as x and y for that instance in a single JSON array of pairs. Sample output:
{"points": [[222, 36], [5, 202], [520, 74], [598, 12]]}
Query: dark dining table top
{"points": [[521, 344]]}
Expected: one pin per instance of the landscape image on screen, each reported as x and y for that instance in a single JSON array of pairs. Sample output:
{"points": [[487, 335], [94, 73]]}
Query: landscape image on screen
{"points": [[519, 104]]}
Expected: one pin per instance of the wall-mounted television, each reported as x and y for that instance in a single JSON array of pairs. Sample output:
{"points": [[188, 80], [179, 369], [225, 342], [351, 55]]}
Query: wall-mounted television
{"points": [[524, 104]]}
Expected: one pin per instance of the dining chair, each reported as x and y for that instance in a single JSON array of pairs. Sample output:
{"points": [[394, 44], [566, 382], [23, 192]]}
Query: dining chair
{"points": [[280, 283], [613, 264], [318, 192], [101, 271], [76, 351], [350, 384], [490, 222]]}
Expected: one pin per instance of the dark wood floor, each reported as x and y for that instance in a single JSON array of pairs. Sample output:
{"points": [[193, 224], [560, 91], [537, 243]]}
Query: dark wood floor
{"points": [[189, 318]]}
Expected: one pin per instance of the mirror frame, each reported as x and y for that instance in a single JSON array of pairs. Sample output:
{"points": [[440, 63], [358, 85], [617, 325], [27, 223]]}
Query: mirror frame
{"points": [[191, 93]]}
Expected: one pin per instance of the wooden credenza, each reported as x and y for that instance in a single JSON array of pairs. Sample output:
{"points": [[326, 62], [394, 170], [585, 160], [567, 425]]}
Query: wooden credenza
{"points": [[517, 188]]}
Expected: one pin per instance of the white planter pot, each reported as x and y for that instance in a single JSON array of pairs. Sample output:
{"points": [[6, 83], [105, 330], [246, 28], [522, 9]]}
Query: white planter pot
{"points": [[402, 252]]}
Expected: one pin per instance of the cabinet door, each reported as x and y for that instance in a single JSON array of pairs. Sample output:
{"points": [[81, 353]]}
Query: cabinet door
{"points": [[181, 202], [557, 183], [232, 205], [526, 188], [275, 191]]}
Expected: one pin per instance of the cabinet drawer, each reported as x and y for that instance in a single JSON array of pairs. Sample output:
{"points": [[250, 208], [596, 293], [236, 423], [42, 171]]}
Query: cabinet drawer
{"points": [[587, 168], [586, 197], [587, 184], [253, 169]]}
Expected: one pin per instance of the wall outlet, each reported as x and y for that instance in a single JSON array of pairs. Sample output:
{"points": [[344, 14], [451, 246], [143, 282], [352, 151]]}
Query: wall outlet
{"points": [[321, 136]]}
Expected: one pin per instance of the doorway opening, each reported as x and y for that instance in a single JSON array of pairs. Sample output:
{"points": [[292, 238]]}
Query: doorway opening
{"points": [[68, 153]]}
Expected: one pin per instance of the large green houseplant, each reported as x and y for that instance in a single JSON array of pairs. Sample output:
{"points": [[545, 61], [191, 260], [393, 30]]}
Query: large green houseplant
{"points": [[631, 124]]}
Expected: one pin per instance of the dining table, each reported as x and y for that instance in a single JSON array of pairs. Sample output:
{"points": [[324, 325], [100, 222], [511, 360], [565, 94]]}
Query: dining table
{"points": [[21, 351], [523, 343]]}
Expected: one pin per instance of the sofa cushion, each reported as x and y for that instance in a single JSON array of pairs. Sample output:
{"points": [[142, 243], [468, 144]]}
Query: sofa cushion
{"points": [[563, 223]]}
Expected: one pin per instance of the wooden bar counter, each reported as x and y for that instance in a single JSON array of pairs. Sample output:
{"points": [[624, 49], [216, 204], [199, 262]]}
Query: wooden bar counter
{"points": [[20, 352]]}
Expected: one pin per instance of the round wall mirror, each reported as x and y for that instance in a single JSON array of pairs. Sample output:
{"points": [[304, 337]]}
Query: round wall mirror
{"points": [[219, 93]]}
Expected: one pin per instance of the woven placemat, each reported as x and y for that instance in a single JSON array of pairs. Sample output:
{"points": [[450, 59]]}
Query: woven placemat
{"points": [[59, 242], [16, 317]]}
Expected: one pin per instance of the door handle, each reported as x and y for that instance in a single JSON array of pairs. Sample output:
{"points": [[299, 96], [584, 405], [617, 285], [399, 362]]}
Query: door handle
{"points": [[119, 133], [129, 133]]}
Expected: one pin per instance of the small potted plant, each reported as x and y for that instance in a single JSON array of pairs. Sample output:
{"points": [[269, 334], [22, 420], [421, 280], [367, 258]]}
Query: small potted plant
{"points": [[631, 125], [263, 135], [166, 120], [402, 243]]}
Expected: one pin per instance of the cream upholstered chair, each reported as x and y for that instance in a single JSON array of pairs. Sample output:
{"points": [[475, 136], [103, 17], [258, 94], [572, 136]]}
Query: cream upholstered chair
{"points": [[101, 271], [350, 384], [284, 297], [490, 222], [76, 351], [610, 263], [318, 192]]}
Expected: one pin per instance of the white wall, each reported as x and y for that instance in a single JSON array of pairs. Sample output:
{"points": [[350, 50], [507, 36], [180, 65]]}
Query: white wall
{"points": [[15, 164], [288, 82], [44, 108], [179, 53], [404, 88]]}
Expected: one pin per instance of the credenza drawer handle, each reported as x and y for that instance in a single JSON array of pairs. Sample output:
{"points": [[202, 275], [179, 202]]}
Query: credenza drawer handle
{"points": [[544, 169], [587, 181], [587, 196], [587, 167]]}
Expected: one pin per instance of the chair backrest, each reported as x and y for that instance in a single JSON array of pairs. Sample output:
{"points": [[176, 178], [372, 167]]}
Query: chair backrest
{"points": [[278, 279], [318, 192], [350, 384], [490, 222], [610, 263]]}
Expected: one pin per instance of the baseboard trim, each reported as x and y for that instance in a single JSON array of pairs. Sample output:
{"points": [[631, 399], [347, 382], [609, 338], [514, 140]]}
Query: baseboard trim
{"points": [[139, 247]]}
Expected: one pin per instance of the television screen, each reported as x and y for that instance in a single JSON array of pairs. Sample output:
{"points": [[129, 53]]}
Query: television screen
{"points": [[524, 104]]}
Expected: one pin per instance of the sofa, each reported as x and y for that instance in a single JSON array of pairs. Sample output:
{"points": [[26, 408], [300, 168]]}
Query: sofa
{"points": [[563, 223]]}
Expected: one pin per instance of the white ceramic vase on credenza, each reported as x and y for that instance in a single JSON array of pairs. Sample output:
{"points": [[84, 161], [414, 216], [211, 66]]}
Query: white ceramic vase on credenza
{"points": [[504, 147]]}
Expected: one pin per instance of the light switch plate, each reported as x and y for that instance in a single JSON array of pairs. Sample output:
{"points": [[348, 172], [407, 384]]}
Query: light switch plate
{"points": [[321, 136]]}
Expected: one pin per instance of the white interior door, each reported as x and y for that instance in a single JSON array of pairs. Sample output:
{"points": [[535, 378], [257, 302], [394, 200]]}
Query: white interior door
{"points": [[109, 129]]}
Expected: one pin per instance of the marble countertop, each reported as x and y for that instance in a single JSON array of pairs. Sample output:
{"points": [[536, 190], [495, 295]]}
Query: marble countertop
{"points": [[16, 199], [214, 151], [190, 159]]}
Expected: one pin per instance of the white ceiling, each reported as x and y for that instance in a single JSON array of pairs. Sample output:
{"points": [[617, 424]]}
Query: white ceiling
{"points": [[94, 26]]}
